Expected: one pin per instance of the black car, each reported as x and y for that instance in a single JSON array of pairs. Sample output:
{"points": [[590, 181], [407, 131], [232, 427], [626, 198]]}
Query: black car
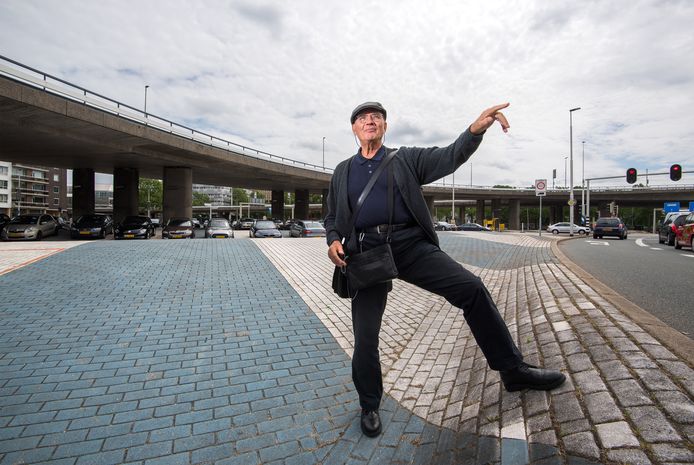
{"points": [[610, 227], [4, 219], [133, 227], [95, 225], [264, 228], [472, 227]]}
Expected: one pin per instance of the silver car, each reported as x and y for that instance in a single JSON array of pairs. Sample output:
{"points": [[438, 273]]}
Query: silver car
{"points": [[33, 227], [307, 229], [219, 227], [566, 228]]}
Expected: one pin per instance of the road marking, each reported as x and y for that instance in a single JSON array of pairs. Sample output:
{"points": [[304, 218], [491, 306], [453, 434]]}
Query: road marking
{"points": [[656, 248], [640, 243], [687, 255], [598, 243]]}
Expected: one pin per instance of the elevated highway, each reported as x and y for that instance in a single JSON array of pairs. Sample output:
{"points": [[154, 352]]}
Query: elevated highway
{"points": [[47, 121]]}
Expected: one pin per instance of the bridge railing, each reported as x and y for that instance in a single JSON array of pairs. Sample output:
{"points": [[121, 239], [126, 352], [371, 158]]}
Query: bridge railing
{"points": [[57, 86]]}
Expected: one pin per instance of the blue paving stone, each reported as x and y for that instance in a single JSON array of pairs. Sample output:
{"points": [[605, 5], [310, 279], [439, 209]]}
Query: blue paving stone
{"points": [[514, 452]]}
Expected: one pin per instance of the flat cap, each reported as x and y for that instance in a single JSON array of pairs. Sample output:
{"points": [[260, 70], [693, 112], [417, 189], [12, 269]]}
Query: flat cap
{"points": [[367, 106]]}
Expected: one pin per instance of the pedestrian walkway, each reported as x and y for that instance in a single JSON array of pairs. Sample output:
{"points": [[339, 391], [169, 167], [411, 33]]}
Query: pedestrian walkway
{"points": [[230, 351]]}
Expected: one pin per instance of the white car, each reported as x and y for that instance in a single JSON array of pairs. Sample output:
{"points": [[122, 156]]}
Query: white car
{"points": [[557, 228]]}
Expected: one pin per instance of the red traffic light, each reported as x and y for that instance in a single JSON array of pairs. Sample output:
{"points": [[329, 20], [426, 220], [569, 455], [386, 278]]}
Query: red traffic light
{"points": [[675, 172], [631, 175]]}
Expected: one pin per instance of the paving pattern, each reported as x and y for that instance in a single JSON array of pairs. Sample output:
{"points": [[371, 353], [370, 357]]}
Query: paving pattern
{"points": [[237, 352]]}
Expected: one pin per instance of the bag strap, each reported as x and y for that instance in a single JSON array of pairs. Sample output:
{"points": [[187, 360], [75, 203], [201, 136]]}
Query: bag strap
{"points": [[367, 190], [390, 202]]}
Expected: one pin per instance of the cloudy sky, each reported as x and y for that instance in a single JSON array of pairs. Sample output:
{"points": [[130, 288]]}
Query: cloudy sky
{"points": [[279, 76]]}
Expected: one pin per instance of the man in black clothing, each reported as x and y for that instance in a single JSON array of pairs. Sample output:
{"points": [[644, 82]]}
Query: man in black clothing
{"points": [[416, 250]]}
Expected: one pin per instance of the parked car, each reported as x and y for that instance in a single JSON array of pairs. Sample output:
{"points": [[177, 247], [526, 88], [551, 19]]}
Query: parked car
{"points": [[264, 228], [684, 239], [307, 229], [33, 227], [288, 224], [558, 228], [94, 225], [245, 223], [472, 227], [219, 227], [667, 229], [4, 219], [443, 226], [133, 227], [610, 227], [178, 228]]}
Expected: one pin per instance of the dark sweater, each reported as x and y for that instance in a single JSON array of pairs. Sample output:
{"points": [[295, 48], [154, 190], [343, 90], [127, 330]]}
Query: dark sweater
{"points": [[413, 167]]}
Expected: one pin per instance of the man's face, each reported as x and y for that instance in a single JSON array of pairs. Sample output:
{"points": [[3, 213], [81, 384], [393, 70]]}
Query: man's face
{"points": [[369, 126]]}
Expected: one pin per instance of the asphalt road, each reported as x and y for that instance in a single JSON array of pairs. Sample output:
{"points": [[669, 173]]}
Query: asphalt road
{"points": [[654, 276]]}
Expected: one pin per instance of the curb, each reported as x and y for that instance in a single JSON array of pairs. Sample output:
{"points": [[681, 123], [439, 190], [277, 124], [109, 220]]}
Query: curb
{"points": [[669, 337]]}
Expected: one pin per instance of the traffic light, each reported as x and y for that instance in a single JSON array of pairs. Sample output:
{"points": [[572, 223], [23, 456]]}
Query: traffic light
{"points": [[675, 172], [631, 175]]}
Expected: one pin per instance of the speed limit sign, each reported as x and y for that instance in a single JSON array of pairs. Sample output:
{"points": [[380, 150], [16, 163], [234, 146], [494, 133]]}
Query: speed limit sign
{"points": [[540, 187]]}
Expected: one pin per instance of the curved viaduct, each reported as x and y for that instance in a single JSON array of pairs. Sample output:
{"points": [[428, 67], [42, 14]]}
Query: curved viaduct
{"points": [[49, 122]]}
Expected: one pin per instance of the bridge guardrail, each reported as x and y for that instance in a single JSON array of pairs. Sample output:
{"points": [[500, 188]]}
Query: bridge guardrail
{"points": [[54, 85]]}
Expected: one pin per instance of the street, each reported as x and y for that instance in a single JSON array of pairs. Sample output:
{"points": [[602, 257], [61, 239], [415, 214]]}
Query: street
{"points": [[654, 276]]}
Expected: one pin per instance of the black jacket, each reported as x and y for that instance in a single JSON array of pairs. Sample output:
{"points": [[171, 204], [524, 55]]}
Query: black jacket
{"points": [[413, 167]]}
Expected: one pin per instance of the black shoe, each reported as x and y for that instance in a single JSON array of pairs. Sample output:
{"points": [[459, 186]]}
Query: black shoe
{"points": [[526, 376], [370, 423]]}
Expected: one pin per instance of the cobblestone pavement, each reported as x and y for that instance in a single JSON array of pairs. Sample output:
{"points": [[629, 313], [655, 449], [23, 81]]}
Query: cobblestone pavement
{"points": [[236, 351]]}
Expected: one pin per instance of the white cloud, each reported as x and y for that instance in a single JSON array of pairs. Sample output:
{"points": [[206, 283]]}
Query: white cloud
{"points": [[280, 76]]}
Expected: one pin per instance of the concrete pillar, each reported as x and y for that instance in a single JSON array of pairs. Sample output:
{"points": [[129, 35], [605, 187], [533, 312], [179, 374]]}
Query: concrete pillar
{"points": [[460, 214], [178, 193], [555, 214], [429, 199], [514, 211], [125, 193], [324, 201], [301, 204], [277, 205], [479, 215], [496, 208], [83, 200]]}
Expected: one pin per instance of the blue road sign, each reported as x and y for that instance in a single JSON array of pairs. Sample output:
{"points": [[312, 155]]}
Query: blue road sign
{"points": [[691, 206], [671, 207]]}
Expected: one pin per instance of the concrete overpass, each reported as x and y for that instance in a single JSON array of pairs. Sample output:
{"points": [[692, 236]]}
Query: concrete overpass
{"points": [[47, 121]]}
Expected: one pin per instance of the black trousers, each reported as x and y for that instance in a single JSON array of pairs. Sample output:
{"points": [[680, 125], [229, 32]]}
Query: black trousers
{"points": [[423, 264]]}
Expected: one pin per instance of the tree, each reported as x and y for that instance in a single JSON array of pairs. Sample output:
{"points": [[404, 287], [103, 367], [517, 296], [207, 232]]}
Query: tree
{"points": [[150, 194], [200, 199], [240, 195]]}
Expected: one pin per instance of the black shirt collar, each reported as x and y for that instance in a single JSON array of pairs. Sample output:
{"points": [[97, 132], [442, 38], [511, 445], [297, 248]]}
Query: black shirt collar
{"points": [[378, 157]]}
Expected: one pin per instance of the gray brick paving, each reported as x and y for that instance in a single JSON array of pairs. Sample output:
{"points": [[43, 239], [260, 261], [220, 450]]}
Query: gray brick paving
{"points": [[219, 352]]}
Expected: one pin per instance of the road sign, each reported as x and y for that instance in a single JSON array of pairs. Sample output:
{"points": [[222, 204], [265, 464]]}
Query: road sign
{"points": [[671, 207], [571, 202], [540, 187]]}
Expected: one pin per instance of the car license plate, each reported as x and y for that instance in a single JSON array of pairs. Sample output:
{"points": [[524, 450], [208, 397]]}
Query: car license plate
{"points": [[220, 236], [177, 236], [85, 233], [16, 234], [129, 236], [607, 229]]}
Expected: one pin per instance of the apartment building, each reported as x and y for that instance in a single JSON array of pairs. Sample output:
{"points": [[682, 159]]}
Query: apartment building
{"points": [[36, 189], [5, 187]]}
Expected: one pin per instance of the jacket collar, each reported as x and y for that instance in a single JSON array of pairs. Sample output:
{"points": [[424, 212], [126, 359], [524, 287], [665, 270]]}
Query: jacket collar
{"points": [[378, 157]]}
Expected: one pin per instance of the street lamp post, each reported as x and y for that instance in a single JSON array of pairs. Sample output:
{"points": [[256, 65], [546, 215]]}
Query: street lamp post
{"points": [[324, 153], [583, 179], [453, 199], [565, 158], [571, 172], [146, 87]]}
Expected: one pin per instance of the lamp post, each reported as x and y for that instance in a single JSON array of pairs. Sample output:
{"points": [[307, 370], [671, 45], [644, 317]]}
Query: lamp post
{"points": [[146, 87], [324, 153], [583, 179], [565, 158], [571, 172], [453, 199]]}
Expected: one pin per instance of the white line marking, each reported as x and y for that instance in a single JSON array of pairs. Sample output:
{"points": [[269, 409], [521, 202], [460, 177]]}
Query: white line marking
{"points": [[687, 255], [656, 248], [640, 243], [598, 243]]}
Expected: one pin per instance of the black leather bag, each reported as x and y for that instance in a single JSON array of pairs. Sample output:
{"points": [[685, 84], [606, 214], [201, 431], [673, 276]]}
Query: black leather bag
{"points": [[373, 266]]}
